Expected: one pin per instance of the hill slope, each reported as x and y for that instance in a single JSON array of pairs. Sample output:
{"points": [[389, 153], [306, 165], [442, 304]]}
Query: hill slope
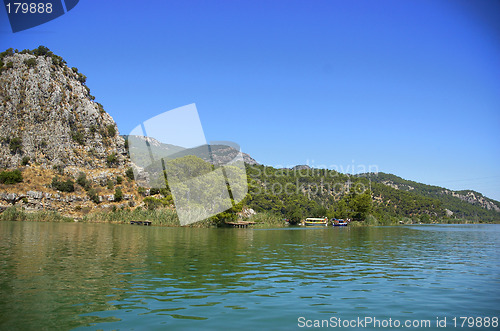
{"points": [[463, 204], [47, 115], [303, 191], [67, 148]]}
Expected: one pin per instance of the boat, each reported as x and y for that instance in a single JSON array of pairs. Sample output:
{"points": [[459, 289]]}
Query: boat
{"points": [[337, 222], [316, 221]]}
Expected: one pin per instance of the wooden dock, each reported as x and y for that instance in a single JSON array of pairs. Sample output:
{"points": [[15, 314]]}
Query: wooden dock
{"points": [[146, 223], [240, 224]]}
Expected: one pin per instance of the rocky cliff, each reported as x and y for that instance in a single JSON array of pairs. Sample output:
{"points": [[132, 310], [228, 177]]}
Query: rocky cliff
{"points": [[68, 149], [48, 116]]}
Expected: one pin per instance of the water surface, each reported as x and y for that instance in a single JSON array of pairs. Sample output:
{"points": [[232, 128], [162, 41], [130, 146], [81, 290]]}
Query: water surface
{"points": [[105, 276]]}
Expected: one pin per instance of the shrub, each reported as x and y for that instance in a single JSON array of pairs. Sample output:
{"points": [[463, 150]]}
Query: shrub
{"points": [[119, 180], [11, 177], [41, 51], [57, 60], [25, 160], [9, 51], [111, 160], [67, 186], [92, 194], [152, 203], [31, 62], [59, 168], [15, 145], [9, 65], [92, 152], [130, 173], [82, 78], [110, 184], [12, 214], [75, 69], [111, 130], [118, 194], [78, 137], [83, 181], [101, 108]]}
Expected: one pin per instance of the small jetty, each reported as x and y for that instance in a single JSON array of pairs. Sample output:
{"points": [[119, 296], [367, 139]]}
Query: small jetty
{"points": [[240, 224], [146, 223]]}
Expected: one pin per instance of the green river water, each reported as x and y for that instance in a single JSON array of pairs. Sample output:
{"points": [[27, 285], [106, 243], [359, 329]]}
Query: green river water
{"points": [[62, 276]]}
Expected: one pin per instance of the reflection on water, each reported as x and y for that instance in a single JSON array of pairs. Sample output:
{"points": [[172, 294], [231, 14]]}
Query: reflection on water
{"points": [[118, 276]]}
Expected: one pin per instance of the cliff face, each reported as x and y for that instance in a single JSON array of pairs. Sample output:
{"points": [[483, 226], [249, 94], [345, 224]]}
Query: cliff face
{"points": [[474, 198], [49, 118]]}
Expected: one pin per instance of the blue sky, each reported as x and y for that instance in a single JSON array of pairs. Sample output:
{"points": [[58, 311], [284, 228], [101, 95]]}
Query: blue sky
{"points": [[411, 87]]}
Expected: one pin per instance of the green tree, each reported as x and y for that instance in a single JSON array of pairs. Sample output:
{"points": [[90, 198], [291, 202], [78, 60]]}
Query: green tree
{"points": [[362, 205], [296, 216], [341, 211]]}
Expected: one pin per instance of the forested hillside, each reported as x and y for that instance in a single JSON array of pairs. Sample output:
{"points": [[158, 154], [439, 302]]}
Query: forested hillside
{"points": [[462, 204], [302, 192]]}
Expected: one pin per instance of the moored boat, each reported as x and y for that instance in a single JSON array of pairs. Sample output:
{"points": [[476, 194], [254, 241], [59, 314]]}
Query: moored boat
{"points": [[339, 222], [316, 221]]}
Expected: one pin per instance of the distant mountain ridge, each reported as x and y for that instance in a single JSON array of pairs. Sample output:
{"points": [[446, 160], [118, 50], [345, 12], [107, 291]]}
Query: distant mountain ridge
{"points": [[455, 201], [219, 154]]}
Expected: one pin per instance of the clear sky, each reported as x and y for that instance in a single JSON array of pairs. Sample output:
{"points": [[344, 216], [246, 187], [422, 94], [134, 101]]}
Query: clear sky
{"points": [[411, 87]]}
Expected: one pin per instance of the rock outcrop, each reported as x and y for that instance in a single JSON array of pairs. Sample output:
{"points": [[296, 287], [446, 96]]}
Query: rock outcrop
{"points": [[48, 116], [52, 129]]}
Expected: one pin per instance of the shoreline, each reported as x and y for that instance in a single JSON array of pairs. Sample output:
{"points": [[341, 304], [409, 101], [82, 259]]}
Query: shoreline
{"points": [[168, 218]]}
